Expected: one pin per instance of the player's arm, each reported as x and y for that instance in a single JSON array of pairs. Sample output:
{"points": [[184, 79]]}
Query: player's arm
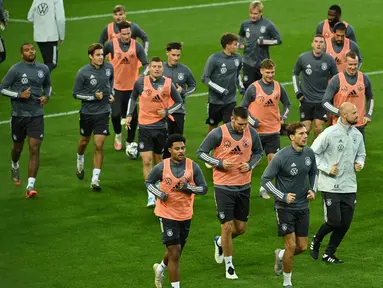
{"points": [[78, 88], [319, 146], [103, 36], [361, 154], [286, 104], [296, 72], [47, 85], [274, 37], [256, 150], [239, 83], [7, 82], [109, 48], [369, 97], [354, 47], [200, 187], [111, 80], [190, 82], [249, 97], [333, 68], [60, 18], [206, 76], [137, 90], [313, 174], [331, 90], [31, 12], [242, 37], [177, 101], [350, 33], [154, 176], [212, 140], [141, 55], [143, 36], [269, 174]]}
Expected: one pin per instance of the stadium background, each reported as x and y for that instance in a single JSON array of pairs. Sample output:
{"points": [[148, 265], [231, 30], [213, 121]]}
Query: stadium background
{"points": [[71, 237]]}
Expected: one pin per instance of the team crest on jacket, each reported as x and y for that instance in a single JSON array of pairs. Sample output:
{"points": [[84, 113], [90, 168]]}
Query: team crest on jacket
{"points": [[308, 161], [263, 29], [324, 66], [245, 143], [247, 33], [169, 232], [118, 55], [236, 62], [227, 144], [148, 92], [360, 86], [181, 76], [168, 181], [284, 227], [24, 79], [131, 54], [107, 72], [328, 202], [344, 88], [40, 74], [163, 94]]}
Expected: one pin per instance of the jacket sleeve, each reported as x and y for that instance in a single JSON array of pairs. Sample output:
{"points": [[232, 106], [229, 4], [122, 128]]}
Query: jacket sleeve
{"points": [[319, 147]]}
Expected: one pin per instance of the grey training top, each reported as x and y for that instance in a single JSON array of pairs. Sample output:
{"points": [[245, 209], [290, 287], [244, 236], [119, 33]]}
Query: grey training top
{"points": [[250, 96], [19, 78], [315, 74], [333, 89], [157, 85], [294, 172], [88, 81], [181, 75], [350, 33], [214, 139], [137, 32], [250, 32], [221, 75], [178, 170]]}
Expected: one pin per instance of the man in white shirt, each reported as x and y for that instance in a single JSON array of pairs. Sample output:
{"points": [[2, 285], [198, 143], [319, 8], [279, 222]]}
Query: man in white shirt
{"points": [[48, 18]]}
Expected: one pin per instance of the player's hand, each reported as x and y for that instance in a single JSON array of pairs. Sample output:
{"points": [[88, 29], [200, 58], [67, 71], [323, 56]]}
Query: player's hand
{"points": [[334, 170], [25, 94], [282, 121], [180, 185], [127, 122], [358, 167], [179, 88], [366, 120], [43, 100], [111, 99], [310, 195], [290, 198], [99, 95], [301, 98], [226, 164], [162, 113], [164, 196], [245, 167]]}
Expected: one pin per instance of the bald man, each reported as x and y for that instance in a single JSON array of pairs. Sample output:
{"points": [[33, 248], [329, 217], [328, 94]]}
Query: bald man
{"points": [[339, 153]]}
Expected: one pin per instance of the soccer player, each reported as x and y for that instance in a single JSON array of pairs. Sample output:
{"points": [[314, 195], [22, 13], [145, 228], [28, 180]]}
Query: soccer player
{"points": [[338, 46], [237, 150], [257, 34], [351, 86], [180, 180], [28, 84], [221, 75], [94, 87], [4, 18], [155, 93], [316, 68], [111, 30], [126, 54], [48, 18], [326, 27], [295, 173], [339, 152], [184, 80], [262, 99]]}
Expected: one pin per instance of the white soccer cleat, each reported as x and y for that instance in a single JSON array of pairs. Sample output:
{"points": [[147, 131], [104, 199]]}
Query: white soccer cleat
{"points": [[263, 193], [158, 278], [230, 274], [218, 251], [118, 142], [278, 263]]}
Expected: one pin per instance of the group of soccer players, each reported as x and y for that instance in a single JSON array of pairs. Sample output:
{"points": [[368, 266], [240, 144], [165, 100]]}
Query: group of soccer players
{"points": [[330, 90]]}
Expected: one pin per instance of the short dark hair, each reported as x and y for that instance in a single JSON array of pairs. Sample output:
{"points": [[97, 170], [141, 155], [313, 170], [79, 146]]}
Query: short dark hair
{"points": [[267, 64], [123, 25], [155, 59], [351, 54], [22, 46], [174, 45], [319, 36], [94, 47], [293, 127], [119, 8], [340, 26], [240, 112], [228, 38], [336, 8], [175, 138]]}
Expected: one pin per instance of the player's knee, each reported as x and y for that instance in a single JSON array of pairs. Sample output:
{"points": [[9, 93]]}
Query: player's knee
{"points": [[291, 246], [226, 227], [335, 223], [174, 251], [318, 130], [241, 229], [99, 146], [302, 247], [147, 161], [34, 149]]}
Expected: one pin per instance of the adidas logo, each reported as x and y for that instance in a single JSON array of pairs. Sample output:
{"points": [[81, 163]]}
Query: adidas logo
{"points": [[92, 77], [352, 94], [125, 61], [223, 65], [308, 66], [156, 98], [236, 151], [269, 103], [340, 141], [24, 75], [293, 165]]}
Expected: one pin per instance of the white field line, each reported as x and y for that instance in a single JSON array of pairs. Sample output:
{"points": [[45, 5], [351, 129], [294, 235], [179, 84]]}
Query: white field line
{"points": [[150, 10], [191, 96]]}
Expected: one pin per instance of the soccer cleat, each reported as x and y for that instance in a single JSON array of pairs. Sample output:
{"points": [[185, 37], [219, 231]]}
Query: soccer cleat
{"points": [[158, 278], [31, 193], [288, 286], [331, 259], [230, 274], [314, 248], [263, 193], [16, 176], [218, 253], [80, 171], [278, 263], [95, 185], [117, 142]]}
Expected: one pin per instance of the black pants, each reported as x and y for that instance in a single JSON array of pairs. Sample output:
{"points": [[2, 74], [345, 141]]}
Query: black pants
{"points": [[339, 211], [250, 75], [50, 53], [3, 54]]}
